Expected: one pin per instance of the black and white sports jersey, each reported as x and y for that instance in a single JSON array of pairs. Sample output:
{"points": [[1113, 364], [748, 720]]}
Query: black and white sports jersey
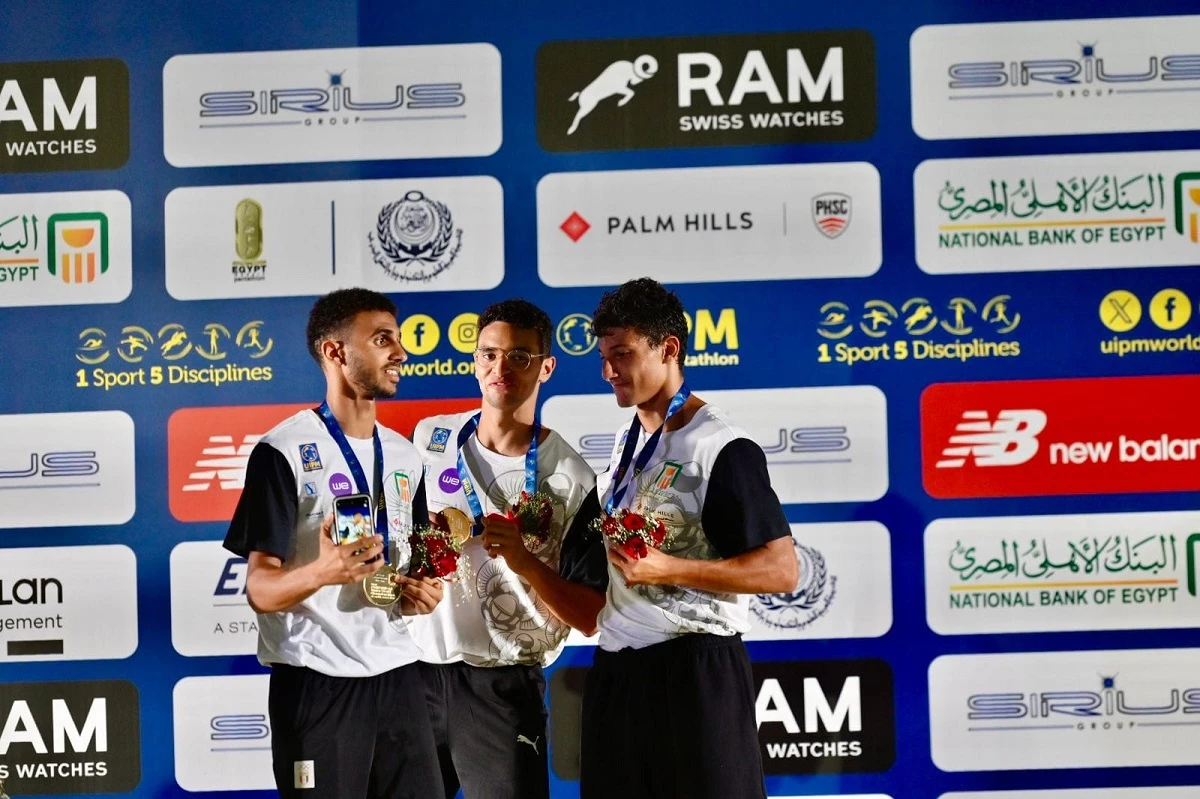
{"points": [[293, 476], [708, 482], [494, 618]]}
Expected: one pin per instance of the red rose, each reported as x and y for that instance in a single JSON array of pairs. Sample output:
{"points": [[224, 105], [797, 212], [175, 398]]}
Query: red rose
{"points": [[658, 533], [633, 522], [445, 564], [635, 548]]}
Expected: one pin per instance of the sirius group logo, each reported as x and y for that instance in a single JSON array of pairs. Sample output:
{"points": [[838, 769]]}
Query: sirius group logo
{"points": [[1059, 710], [67, 469], [345, 104], [1053, 77]]}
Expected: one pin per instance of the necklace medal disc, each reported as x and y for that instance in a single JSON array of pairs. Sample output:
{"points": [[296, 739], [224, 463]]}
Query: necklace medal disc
{"points": [[380, 589]]}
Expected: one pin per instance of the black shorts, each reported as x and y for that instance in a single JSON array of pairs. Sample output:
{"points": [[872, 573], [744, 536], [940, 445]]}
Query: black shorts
{"points": [[489, 726], [351, 737], [672, 719]]}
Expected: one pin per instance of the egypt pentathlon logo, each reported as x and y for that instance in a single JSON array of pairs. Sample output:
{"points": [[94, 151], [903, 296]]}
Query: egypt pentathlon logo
{"points": [[831, 213], [810, 601], [415, 238]]}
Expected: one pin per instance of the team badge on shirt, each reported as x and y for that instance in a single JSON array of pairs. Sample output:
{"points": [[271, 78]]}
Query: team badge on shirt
{"points": [[310, 489], [667, 477], [403, 487], [310, 457], [439, 439]]}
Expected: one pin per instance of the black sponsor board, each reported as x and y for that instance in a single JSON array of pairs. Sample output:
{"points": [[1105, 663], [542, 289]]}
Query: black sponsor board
{"points": [[815, 717], [64, 115], [773, 88], [61, 738]]}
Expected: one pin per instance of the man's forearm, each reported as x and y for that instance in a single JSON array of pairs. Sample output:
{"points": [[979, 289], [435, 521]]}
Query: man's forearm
{"points": [[765, 570], [574, 604], [271, 588]]}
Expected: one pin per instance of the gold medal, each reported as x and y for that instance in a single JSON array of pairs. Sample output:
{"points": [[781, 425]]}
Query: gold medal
{"points": [[459, 524], [380, 589]]}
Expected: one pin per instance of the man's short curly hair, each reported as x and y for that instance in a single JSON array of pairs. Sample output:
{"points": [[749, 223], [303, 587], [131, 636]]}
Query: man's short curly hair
{"points": [[522, 314], [337, 309], [647, 307]]}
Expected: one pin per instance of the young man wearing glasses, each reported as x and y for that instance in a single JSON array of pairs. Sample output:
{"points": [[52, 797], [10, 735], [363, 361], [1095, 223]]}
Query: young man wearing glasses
{"points": [[509, 614]]}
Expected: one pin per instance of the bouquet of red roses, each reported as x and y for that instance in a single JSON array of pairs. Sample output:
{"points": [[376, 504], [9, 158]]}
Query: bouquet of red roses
{"points": [[533, 513], [632, 533], [435, 553]]}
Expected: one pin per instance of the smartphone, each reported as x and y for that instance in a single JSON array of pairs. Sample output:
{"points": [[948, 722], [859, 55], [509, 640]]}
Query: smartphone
{"points": [[352, 518]]}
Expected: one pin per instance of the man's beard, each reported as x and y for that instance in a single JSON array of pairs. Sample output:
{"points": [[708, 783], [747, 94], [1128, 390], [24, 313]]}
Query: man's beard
{"points": [[371, 383]]}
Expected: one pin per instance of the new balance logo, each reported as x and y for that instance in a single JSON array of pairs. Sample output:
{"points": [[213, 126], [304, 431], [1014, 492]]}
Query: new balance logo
{"points": [[222, 461], [1010, 440]]}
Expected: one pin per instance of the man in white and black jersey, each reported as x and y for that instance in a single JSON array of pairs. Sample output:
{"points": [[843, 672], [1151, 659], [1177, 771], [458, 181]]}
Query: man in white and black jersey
{"points": [[485, 645], [347, 706], [668, 707]]}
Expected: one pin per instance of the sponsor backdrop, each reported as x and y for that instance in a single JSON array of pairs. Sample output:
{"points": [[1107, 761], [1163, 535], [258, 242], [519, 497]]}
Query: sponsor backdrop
{"points": [[938, 259]]}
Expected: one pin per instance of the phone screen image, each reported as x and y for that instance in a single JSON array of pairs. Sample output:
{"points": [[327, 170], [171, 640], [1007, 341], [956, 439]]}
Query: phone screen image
{"points": [[352, 518]]}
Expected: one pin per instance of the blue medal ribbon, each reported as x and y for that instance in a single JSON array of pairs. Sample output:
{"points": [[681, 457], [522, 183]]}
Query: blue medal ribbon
{"points": [[356, 470], [618, 490], [464, 474]]}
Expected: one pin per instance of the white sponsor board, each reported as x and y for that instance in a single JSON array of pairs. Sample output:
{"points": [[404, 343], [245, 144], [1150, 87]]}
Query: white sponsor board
{"points": [[822, 444], [1052, 212], [223, 734], [713, 224], [1103, 571], [68, 603], [65, 248], [1177, 792], [1056, 710], [343, 104], [844, 589], [62, 469], [1057, 77], [303, 239], [209, 611]]}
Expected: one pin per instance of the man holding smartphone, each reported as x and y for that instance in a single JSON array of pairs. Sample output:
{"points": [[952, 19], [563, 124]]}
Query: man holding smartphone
{"points": [[347, 705], [485, 646]]}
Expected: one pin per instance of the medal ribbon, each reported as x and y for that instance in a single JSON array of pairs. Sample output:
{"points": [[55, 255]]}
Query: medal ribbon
{"points": [[464, 474], [356, 471], [618, 490]]}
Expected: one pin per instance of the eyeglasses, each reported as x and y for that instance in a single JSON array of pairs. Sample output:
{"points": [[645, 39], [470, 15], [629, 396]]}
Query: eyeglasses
{"points": [[517, 359]]}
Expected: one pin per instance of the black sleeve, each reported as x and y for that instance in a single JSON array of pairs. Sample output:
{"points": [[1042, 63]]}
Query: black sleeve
{"points": [[265, 518], [741, 511], [583, 559], [420, 506]]}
